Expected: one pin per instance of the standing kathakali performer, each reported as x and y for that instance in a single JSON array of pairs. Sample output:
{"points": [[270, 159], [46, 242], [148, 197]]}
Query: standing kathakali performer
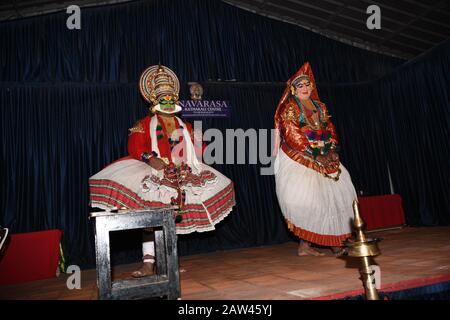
{"points": [[163, 169], [314, 189]]}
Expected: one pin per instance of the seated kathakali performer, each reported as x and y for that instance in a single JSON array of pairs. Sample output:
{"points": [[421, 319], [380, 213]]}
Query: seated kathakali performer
{"points": [[162, 169], [314, 190]]}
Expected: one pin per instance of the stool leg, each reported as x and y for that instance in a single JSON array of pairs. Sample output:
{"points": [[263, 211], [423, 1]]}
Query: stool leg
{"points": [[160, 250], [172, 258], [102, 248]]}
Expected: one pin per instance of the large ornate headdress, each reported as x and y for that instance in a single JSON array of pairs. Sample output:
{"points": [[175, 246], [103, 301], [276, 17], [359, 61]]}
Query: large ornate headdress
{"points": [[160, 86], [305, 72]]}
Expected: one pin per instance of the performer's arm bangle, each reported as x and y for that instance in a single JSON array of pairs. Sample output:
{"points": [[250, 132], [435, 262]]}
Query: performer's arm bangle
{"points": [[145, 156]]}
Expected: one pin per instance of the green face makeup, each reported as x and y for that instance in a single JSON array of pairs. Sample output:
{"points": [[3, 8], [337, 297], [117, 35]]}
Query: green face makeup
{"points": [[167, 103]]}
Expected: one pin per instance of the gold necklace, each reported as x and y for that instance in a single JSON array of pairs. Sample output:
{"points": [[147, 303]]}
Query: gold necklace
{"points": [[316, 125]]}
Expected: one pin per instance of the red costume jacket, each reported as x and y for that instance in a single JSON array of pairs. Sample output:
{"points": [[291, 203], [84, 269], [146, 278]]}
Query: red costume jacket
{"points": [[139, 140], [294, 136]]}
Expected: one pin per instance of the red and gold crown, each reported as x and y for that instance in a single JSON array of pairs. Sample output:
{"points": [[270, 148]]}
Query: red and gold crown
{"points": [[305, 72], [158, 81]]}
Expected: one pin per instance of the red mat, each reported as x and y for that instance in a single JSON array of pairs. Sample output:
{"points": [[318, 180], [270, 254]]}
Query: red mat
{"points": [[29, 257]]}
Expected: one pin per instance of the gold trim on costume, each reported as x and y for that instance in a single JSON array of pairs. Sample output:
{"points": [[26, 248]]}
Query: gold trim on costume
{"points": [[137, 128], [311, 163], [290, 114]]}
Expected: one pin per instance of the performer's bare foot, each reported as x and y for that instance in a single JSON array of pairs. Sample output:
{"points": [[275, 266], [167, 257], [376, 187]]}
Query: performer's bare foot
{"points": [[147, 269], [339, 251], [304, 249]]}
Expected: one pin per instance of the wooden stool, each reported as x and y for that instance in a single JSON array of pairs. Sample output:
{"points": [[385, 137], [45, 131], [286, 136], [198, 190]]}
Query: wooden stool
{"points": [[165, 282]]}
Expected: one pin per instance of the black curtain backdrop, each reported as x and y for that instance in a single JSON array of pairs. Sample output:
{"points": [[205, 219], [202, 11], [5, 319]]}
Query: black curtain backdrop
{"points": [[200, 39], [68, 98]]}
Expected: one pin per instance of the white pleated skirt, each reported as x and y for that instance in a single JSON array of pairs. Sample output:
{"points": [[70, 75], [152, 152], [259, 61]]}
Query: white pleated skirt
{"points": [[127, 184], [316, 208]]}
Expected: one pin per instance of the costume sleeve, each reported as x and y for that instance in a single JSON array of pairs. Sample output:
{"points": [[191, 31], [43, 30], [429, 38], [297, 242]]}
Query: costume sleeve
{"points": [[288, 124], [138, 141]]}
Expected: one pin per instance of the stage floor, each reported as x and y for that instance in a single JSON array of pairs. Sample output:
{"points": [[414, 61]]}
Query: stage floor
{"points": [[411, 257]]}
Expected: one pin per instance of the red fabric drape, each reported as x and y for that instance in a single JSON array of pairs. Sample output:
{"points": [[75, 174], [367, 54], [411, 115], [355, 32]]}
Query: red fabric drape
{"points": [[29, 257], [382, 211]]}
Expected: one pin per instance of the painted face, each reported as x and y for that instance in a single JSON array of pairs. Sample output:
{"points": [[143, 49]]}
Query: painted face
{"points": [[304, 89], [167, 103]]}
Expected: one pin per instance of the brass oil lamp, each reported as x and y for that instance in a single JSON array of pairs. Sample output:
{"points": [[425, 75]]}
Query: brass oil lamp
{"points": [[363, 248]]}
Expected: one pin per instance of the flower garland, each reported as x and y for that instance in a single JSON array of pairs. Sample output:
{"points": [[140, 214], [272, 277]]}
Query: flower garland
{"points": [[319, 140]]}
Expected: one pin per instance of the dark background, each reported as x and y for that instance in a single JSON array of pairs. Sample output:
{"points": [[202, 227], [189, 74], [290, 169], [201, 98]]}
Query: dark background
{"points": [[67, 99]]}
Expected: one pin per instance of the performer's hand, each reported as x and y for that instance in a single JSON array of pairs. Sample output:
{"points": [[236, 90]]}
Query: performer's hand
{"points": [[322, 159], [333, 160], [334, 156], [156, 163], [328, 160]]}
